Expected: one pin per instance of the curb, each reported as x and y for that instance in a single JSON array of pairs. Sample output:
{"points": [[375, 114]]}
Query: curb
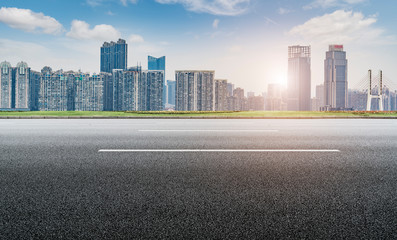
{"points": [[145, 117]]}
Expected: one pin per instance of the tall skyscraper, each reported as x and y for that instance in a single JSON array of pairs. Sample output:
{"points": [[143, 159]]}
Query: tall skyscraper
{"points": [[299, 78], [114, 56], [221, 95], [335, 78], [159, 64], [171, 86], [6, 85], [195, 90]]}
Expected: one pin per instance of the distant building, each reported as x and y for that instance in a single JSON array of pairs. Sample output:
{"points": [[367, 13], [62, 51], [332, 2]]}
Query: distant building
{"points": [[34, 91], [155, 87], [357, 100], [107, 91], [159, 64], [88, 92], [274, 98], [256, 103], [250, 94], [125, 90], [114, 56], [320, 95], [230, 89], [195, 90], [54, 89], [21, 86], [171, 87], [318, 100], [299, 78], [6, 85], [335, 81], [240, 102], [221, 94]]}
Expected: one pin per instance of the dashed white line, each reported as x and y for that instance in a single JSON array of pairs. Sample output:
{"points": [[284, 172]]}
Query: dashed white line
{"points": [[224, 150], [206, 130]]}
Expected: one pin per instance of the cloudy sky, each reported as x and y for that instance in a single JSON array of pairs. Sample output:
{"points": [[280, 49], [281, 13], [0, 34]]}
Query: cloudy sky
{"points": [[244, 41]]}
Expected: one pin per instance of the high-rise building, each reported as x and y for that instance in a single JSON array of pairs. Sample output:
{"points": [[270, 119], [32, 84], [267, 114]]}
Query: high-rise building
{"points": [[155, 87], [240, 102], [159, 64], [114, 56], [6, 85], [335, 78], [125, 90], [195, 90], [88, 91], [221, 95], [21, 85], [256, 103], [54, 90], [274, 97], [230, 89], [107, 91], [34, 91], [250, 94], [299, 78], [171, 86], [15, 86]]}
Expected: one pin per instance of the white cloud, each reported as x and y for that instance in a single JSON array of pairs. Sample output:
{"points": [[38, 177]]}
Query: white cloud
{"points": [[339, 27], [215, 7], [332, 3], [125, 2], [270, 21], [215, 24], [27, 20], [283, 11], [95, 3], [81, 30], [134, 38]]}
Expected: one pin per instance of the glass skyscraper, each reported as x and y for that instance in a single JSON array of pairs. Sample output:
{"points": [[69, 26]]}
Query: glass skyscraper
{"points": [[159, 64], [114, 56], [299, 78], [335, 78]]}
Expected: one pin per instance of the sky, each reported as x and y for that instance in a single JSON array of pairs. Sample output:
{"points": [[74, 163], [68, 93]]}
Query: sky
{"points": [[244, 41]]}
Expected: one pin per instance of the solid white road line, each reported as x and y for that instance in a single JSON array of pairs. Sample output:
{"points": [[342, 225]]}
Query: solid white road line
{"points": [[223, 150], [207, 130]]}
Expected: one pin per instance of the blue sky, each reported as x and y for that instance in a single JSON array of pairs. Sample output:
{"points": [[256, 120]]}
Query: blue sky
{"points": [[244, 41]]}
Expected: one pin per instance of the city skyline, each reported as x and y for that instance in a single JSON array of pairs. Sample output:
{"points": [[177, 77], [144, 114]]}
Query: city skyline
{"points": [[244, 41]]}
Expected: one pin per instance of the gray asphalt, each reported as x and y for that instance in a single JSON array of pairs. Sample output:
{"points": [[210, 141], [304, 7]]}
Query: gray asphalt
{"points": [[54, 184]]}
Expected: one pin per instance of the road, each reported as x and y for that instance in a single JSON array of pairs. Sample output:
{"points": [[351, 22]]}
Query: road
{"points": [[200, 179]]}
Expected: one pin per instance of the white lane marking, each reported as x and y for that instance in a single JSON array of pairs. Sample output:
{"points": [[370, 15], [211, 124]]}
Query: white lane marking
{"points": [[207, 130], [221, 150]]}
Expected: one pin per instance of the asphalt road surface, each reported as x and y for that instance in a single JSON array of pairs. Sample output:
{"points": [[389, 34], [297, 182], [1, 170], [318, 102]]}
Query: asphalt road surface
{"points": [[198, 179]]}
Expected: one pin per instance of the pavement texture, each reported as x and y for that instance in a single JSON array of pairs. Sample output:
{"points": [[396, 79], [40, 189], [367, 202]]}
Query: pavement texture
{"points": [[54, 184]]}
